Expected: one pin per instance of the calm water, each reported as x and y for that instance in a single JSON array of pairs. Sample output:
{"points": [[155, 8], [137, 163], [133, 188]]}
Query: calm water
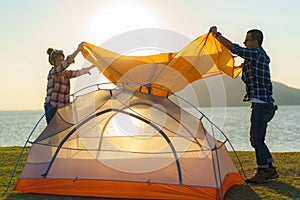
{"points": [[283, 131]]}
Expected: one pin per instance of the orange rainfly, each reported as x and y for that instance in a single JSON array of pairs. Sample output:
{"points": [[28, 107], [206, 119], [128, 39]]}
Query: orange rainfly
{"points": [[203, 57]]}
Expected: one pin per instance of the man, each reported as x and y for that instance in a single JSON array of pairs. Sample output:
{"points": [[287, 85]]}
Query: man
{"points": [[256, 76]]}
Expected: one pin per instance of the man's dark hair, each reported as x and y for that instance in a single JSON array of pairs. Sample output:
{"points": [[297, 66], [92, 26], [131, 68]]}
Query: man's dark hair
{"points": [[257, 35]]}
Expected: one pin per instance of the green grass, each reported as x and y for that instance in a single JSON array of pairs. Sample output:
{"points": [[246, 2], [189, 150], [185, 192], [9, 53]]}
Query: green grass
{"points": [[287, 186]]}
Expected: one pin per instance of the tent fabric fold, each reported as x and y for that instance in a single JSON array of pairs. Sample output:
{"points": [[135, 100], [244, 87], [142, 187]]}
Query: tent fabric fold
{"points": [[171, 71]]}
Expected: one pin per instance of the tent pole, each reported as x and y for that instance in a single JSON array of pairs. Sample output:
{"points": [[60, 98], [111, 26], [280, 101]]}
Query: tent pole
{"points": [[124, 112], [22, 151], [212, 123]]}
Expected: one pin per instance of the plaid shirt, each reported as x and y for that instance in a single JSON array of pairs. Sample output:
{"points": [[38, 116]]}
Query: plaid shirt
{"points": [[256, 73], [58, 87]]}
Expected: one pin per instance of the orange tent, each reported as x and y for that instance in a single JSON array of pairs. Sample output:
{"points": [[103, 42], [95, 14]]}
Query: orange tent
{"points": [[116, 143]]}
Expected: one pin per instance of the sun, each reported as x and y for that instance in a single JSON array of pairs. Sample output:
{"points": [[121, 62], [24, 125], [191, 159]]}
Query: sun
{"points": [[116, 18]]}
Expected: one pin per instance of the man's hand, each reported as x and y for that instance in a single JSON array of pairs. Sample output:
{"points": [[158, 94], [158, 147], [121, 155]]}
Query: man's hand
{"points": [[213, 29], [227, 43]]}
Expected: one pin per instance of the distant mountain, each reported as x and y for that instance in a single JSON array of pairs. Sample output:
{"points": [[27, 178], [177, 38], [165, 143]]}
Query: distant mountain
{"points": [[234, 90], [285, 95]]}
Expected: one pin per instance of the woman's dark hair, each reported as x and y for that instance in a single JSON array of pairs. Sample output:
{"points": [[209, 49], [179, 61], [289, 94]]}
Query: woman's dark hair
{"points": [[257, 35], [54, 54]]}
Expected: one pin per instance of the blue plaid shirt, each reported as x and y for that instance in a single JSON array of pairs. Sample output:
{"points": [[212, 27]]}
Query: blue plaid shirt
{"points": [[256, 73]]}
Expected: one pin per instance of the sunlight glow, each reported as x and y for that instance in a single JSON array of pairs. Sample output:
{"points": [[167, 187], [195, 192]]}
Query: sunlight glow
{"points": [[121, 17]]}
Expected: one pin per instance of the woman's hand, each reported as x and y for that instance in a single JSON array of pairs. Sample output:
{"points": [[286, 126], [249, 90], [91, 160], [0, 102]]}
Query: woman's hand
{"points": [[87, 70], [73, 55], [80, 46]]}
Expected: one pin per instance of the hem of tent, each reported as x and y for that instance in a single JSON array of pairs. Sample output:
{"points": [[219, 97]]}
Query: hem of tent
{"points": [[124, 189]]}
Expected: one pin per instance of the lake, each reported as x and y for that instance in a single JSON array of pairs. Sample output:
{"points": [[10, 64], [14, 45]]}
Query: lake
{"points": [[282, 136]]}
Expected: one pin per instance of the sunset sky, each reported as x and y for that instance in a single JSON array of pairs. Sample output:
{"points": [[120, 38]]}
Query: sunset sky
{"points": [[29, 27]]}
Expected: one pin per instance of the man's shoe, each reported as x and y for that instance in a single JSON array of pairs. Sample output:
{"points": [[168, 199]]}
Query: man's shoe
{"points": [[272, 172], [261, 176]]}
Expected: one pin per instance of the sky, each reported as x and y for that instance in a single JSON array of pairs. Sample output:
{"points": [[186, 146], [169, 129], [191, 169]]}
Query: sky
{"points": [[29, 28]]}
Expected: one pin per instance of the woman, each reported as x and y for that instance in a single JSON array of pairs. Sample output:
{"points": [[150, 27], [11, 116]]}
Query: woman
{"points": [[58, 86]]}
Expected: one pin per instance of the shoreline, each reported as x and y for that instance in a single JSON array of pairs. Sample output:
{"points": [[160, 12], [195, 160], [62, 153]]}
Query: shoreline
{"points": [[281, 137], [229, 150], [204, 107]]}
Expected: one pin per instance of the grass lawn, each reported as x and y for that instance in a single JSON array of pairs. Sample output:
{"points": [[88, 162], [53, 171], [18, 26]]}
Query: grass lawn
{"points": [[287, 186]]}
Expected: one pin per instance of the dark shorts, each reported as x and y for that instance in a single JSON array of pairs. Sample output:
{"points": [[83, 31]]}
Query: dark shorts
{"points": [[49, 111]]}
